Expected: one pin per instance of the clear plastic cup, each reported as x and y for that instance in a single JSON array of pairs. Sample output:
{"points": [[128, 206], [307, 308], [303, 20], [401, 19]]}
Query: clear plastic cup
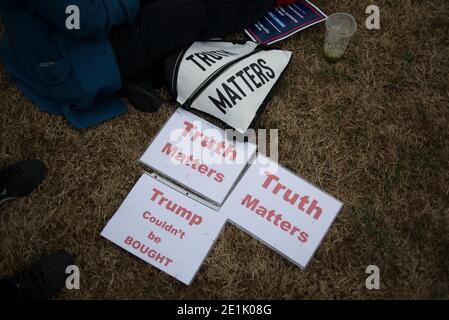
{"points": [[340, 27]]}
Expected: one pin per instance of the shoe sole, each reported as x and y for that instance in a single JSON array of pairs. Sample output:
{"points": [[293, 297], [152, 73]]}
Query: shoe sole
{"points": [[7, 199]]}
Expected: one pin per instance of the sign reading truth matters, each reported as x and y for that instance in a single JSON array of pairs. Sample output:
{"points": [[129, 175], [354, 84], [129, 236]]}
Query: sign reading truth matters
{"points": [[198, 155], [282, 210], [165, 228]]}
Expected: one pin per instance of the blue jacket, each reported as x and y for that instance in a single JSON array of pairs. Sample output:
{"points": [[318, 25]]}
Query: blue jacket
{"points": [[72, 73]]}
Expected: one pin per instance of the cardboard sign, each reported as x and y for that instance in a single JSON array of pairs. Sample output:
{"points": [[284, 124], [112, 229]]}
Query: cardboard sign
{"points": [[198, 155], [282, 210], [165, 228], [282, 22]]}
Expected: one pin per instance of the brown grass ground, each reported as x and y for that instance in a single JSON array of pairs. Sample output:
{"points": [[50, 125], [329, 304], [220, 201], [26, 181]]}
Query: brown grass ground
{"points": [[371, 130]]}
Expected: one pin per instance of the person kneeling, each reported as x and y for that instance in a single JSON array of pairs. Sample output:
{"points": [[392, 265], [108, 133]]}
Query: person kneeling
{"points": [[77, 72]]}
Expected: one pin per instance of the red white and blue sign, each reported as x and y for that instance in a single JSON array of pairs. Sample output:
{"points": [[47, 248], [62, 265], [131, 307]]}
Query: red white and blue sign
{"points": [[282, 22]]}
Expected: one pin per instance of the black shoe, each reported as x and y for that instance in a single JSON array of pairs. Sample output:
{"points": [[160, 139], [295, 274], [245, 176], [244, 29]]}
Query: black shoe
{"points": [[20, 179], [41, 281], [142, 96]]}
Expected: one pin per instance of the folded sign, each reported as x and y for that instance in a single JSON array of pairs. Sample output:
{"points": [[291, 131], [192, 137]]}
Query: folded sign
{"points": [[228, 81]]}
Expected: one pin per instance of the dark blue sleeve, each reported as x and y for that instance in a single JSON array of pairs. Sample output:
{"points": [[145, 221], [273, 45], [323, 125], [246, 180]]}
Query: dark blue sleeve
{"points": [[97, 17]]}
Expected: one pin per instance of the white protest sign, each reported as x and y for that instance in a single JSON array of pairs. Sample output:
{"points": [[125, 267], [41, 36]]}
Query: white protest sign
{"points": [[198, 155], [282, 210], [165, 228], [202, 59], [238, 92]]}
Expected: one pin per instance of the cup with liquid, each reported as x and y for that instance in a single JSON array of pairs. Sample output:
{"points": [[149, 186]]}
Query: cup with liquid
{"points": [[340, 27]]}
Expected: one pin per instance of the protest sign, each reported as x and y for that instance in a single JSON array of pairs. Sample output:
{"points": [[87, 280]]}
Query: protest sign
{"points": [[282, 210], [231, 82], [198, 155], [201, 60], [236, 92], [165, 228], [282, 22]]}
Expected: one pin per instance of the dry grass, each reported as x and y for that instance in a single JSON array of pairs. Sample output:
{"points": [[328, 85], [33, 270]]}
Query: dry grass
{"points": [[371, 130]]}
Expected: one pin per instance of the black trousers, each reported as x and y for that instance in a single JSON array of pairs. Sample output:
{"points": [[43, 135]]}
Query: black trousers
{"points": [[167, 26]]}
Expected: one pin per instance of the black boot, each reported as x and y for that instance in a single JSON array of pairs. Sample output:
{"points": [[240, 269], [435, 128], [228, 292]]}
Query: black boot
{"points": [[142, 96], [141, 89], [41, 281], [21, 178]]}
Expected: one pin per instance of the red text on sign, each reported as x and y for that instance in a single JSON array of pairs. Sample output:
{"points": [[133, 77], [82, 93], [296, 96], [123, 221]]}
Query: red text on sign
{"points": [[195, 164], [146, 250], [164, 225], [291, 197], [159, 198], [226, 150], [276, 219]]}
